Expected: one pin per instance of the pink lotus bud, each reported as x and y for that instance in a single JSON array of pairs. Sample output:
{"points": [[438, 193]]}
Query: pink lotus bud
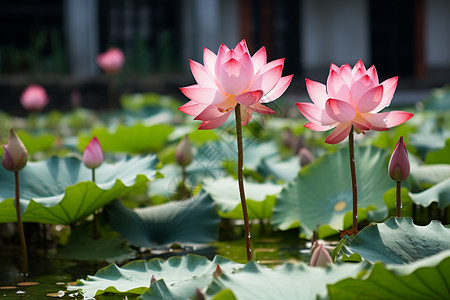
{"points": [[399, 163], [15, 154], [183, 153], [93, 154], [305, 156], [319, 256], [111, 61], [34, 97]]}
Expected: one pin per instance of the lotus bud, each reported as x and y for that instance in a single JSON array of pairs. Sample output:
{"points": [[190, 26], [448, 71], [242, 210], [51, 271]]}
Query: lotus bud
{"points": [[305, 156], [15, 154], [287, 137], [93, 154], [399, 163], [218, 271], [34, 97], [183, 153], [320, 256], [153, 279]]}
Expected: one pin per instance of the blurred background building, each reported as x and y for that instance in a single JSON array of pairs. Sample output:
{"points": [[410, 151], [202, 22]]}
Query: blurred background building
{"points": [[55, 42]]}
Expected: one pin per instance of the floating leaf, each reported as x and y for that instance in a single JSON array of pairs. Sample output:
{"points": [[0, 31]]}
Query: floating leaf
{"points": [[441, 156], [226, 149], [286, 169], [288, 281], [439, 193], [396, 241], [322, 194], [134, 139], [225, 192], [59, 190], [191, 221], [423, 279], [429, 174], [181, 275], [81, 246]]}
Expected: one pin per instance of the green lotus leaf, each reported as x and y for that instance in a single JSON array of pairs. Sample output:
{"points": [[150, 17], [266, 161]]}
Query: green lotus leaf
{"points": [[322, 194], [423, 279], [288, 281], [34, 143], [191, 221], [425, 175], [226, 149], [439, 193], [396, 241], [439, 100], [134, 139], [285, 170], [225, 192], [180, 274], [81, 246], [441, 156], [59, 190]]}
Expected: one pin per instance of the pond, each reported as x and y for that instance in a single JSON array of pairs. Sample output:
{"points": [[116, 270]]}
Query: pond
{"points": [[50, 274]]}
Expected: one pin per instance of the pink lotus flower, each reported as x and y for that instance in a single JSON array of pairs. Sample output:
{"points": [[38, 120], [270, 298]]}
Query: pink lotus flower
{"points": [[111, 61], [352, 97], [230, 77], [399, 162], [34, 97], [15, 154], [93, 154]]}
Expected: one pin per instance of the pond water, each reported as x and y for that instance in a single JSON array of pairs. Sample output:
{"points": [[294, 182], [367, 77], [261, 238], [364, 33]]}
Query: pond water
{"points": [[50, 275]]}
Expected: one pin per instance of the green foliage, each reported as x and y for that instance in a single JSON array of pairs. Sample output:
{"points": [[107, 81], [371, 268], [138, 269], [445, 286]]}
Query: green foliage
{"points": [[321, 195], [396, 241], [441, 156], [424, 279], [59, 190], [181, 276], [135, 139], [439, 193], [225, 192], [190, 221]]}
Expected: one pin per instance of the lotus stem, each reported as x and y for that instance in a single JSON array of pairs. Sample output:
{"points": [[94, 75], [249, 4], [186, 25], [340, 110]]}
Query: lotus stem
{"points": [[354, 185], [23, 244], [94, 221], [398, 205], [183, 190], [241, 181]]}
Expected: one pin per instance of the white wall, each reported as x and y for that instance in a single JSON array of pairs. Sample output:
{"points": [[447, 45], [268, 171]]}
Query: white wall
{"points": [[437, 33], [334, 31]]}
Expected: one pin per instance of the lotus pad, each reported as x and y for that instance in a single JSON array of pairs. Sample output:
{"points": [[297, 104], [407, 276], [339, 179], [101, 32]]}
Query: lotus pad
{"points": [[178, 273], [396, 241], [191, 221], [59, 190], [260, 197], [424, 279], [288, 281], [322, 194]]}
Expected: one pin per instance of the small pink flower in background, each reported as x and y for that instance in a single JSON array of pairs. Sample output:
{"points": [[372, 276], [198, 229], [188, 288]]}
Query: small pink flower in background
{"points": [[93, 154], [111, 61], [231, 77], [15, 154], [351, 97], [34, 98], [319, 256], [399, 162]]}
